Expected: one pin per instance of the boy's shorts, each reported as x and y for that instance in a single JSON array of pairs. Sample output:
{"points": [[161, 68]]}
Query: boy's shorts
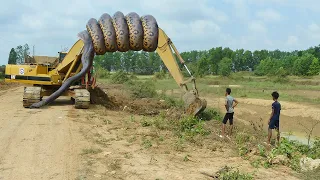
{"points": [[274, 124], [228, 116]]}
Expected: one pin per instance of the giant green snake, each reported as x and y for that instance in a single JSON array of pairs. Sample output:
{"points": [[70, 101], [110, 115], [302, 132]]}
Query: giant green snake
{"points": [[110, 34]]}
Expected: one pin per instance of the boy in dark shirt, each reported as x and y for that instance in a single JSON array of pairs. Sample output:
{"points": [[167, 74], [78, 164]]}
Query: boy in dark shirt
{"points": [[274, 120]]}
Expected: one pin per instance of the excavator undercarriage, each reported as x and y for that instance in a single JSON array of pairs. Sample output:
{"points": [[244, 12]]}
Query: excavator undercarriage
{"points": [[65, 76]]}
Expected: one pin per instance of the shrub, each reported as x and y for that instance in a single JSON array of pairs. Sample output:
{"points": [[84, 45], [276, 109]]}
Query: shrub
{"points": [[140, 89], [119, 77], [102, 73], [191, 126], [209, 114], [229, 173], [160, 75]]}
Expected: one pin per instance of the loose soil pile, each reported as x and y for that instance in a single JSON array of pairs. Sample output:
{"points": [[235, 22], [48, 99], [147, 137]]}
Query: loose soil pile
{"points": [[5, 86], [115, 97]]}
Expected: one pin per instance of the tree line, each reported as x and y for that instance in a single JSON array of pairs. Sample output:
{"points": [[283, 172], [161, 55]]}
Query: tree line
{"points": [[215, 61], [219, 61]]}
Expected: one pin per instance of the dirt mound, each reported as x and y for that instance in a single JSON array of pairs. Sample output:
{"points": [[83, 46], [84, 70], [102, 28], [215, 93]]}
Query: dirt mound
{"points": [[4, 85], [116, 101], [98, 96]]}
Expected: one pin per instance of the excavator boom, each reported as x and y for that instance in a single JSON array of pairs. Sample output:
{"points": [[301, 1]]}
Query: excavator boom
{"points": [[108, 34], [193, 104]]}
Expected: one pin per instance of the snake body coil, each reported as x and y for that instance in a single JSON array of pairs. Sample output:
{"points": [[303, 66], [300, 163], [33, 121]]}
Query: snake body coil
{"points": [[110, 34]]}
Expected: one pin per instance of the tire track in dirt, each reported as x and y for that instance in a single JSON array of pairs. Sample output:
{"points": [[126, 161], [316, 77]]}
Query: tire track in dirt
{"points": [[37, 143]]}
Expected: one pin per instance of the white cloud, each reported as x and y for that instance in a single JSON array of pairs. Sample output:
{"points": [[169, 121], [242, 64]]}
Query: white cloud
{"points": [[313, 31], [292, 40], [201, 27], [269, 15], [314, 27], [190, 24], [257, 27]]}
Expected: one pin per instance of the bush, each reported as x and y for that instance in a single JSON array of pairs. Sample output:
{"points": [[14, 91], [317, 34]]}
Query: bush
{"points": [[191, 126], [140, 89], [228, 173], [1, 75], [209, 114], [102, 73], [119, 77], [160, 75]]}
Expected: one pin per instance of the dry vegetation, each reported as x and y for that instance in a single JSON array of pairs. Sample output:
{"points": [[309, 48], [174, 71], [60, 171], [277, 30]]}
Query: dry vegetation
{"points": [[150, 138]]}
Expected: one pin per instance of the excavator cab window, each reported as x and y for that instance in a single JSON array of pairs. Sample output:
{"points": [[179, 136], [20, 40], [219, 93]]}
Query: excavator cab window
{"points": [[61, 56]]}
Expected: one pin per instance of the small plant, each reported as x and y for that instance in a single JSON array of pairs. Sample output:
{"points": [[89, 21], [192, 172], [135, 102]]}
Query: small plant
{"points": [[227, 173], [146, 143], [185, 159], [192, 126], [256, 163], [145, 122], [210, 113], [262, 150]]}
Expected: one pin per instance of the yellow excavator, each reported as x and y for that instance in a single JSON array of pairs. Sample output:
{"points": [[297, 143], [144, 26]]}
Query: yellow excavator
{"points": [[109, 34]]}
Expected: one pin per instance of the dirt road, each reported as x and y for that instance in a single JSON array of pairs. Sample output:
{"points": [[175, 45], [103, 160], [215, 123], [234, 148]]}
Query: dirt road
{"points": [[34, 143], [296, 117]]}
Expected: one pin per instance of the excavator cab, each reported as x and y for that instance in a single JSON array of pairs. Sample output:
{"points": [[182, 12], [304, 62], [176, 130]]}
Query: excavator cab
{"points": [[61, 56]]}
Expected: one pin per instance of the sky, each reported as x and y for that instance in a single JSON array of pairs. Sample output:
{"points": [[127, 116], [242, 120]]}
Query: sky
{"points": [[50, 26]]}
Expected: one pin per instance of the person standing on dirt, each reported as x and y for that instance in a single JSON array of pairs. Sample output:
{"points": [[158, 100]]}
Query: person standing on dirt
{"points": [[274, 120], [230, 112]]}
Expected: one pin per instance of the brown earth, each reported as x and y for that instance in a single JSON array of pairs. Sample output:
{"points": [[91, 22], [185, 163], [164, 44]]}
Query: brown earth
{"points": [[5, 86], [295, 117], [60, 142], [37, 144], [121, 148]]}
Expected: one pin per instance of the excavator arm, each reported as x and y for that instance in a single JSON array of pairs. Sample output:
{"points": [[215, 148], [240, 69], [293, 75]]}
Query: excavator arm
{"points": [[193, 104], [107, 34]]}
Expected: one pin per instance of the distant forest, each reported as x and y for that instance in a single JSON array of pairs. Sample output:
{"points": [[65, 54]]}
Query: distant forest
{"points": [[220, 61], [216, 61]]}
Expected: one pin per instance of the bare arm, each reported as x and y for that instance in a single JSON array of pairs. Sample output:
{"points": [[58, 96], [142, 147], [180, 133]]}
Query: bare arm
{"points": [[236, 103], [272, 113], [226, 104]]}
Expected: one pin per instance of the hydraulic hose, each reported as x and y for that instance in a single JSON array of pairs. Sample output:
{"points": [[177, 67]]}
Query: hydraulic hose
{"points": [[110, 34]]}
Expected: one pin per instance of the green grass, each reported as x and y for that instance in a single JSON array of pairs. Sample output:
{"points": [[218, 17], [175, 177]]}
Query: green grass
{"points": [[250, 86]]}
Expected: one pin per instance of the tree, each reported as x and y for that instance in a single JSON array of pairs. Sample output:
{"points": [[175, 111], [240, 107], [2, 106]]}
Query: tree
{"points": [[302, 64], [22, 52], [314, 68], [268, 66], [225, 66], [12, 57]]}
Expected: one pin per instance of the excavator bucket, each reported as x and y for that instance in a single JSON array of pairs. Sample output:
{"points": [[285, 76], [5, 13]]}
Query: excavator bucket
{"points": [[193, 104]]}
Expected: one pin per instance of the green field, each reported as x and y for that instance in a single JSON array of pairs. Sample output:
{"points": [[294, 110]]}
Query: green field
{"points": [[245, 85]]}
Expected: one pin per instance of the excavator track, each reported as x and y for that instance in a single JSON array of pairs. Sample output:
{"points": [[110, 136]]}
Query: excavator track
{"points": [[31, 95], [82, 99]]}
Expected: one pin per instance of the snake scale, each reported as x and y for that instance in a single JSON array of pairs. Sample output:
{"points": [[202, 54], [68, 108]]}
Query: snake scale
{"points": [[110, 34]]}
